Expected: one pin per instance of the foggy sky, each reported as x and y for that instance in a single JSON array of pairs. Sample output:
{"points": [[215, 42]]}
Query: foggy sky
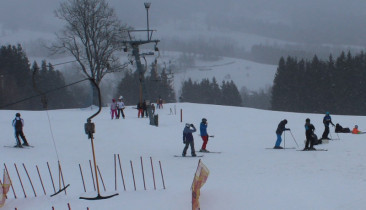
{"points": [[312, 21]]}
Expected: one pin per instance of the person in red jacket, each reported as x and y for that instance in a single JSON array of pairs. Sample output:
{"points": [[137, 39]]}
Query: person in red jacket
{"points": [[356, 131]]}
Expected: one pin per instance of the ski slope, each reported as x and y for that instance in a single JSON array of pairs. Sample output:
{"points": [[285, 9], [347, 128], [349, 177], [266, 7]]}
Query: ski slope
{"points": [[244, 176]]}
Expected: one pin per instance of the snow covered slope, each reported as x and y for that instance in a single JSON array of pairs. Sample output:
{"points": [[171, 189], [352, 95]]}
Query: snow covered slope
{"points": [[244, 176]]}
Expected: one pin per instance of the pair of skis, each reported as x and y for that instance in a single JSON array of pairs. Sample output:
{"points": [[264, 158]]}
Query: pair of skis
{"points": [[196, 155], [23, 147]]}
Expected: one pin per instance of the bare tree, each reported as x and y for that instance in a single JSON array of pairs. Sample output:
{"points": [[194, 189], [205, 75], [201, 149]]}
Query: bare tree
{"points": [[93, 35]]}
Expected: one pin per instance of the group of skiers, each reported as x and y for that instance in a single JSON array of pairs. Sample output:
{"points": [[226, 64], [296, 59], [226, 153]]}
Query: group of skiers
{"points": [[142, 109], [311, 138], [188, 139]]}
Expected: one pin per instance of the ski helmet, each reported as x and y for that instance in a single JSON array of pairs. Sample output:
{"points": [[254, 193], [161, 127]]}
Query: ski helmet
{"points": [[204, 120], [17, 115], [327, 113], [285, 121], [307, 120], [188, 125], [356, 126]]}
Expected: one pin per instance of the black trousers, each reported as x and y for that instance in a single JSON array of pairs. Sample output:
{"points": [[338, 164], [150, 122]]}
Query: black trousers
{"points": [[326, 132], [189, 143], [120, 111], [21, 134], [309, 139]]}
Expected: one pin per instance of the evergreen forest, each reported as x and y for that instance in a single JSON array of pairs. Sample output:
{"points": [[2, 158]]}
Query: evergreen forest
{"points": [[336, 85]]}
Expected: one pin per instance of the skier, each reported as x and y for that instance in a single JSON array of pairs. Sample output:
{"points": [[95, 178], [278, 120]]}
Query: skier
{"points": [[280, 128], [18, 124], [140, 111], [355, 130], [113, 108], [204, 135], [144, 109], [120, 108], [340, 129], [326, 121], [188, 139], [309, 133], [153, 108]]}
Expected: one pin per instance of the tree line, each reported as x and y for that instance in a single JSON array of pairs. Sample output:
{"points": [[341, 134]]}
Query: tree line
{"points": [[210, 92], [336, 85], [25, 83]]}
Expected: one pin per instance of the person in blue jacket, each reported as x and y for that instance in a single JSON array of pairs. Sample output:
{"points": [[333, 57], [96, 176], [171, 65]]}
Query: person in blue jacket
{"points": [[281, 127], [326, 121], [204, 135], [188, 139]]}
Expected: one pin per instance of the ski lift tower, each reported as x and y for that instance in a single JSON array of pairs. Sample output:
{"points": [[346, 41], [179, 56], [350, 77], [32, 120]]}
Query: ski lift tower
{"points": [[134, 44]]}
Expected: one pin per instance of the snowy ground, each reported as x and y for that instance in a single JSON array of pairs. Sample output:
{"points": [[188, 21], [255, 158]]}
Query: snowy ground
{"points": [[244, 176]]}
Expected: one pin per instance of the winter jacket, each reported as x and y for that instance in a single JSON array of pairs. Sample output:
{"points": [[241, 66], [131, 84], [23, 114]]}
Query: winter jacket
{"points": [[18, 124], [203, 129], [356, 131], [187, 133], [340, 129], [113, 106], [120, 105], [281, 127], [327, 120], [309, 130]]}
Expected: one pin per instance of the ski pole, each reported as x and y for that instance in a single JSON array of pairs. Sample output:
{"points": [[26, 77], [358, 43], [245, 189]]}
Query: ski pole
{"points": [[294, 139], [284, 140], [338, 136]]}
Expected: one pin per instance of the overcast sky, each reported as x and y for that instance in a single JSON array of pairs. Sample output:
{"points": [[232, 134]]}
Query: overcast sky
{"points": [[342, 21]]}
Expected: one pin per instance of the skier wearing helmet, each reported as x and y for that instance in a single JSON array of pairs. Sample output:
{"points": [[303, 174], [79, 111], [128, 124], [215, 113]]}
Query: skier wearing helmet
{"points": [[309, 132], [326, 121], [204, 135]]}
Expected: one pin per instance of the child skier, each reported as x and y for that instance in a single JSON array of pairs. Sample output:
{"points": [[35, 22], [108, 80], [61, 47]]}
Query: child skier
{"points": [[113, 108], [188, 139], [18, 124], [120, 107], [356, 131]]}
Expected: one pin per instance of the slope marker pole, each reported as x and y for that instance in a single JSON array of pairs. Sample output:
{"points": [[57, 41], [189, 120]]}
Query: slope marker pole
{"points": [[152, 168], [40, 178], [120, 167], [29, 180], [21, 183], [11, 182]]}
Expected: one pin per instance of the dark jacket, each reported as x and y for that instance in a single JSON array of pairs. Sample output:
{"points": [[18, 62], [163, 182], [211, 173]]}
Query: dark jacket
{"points": [[327, 120], [187, 133], [144, 107], [340, 129], [281, 127], [309, 130], [18, 124]]}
